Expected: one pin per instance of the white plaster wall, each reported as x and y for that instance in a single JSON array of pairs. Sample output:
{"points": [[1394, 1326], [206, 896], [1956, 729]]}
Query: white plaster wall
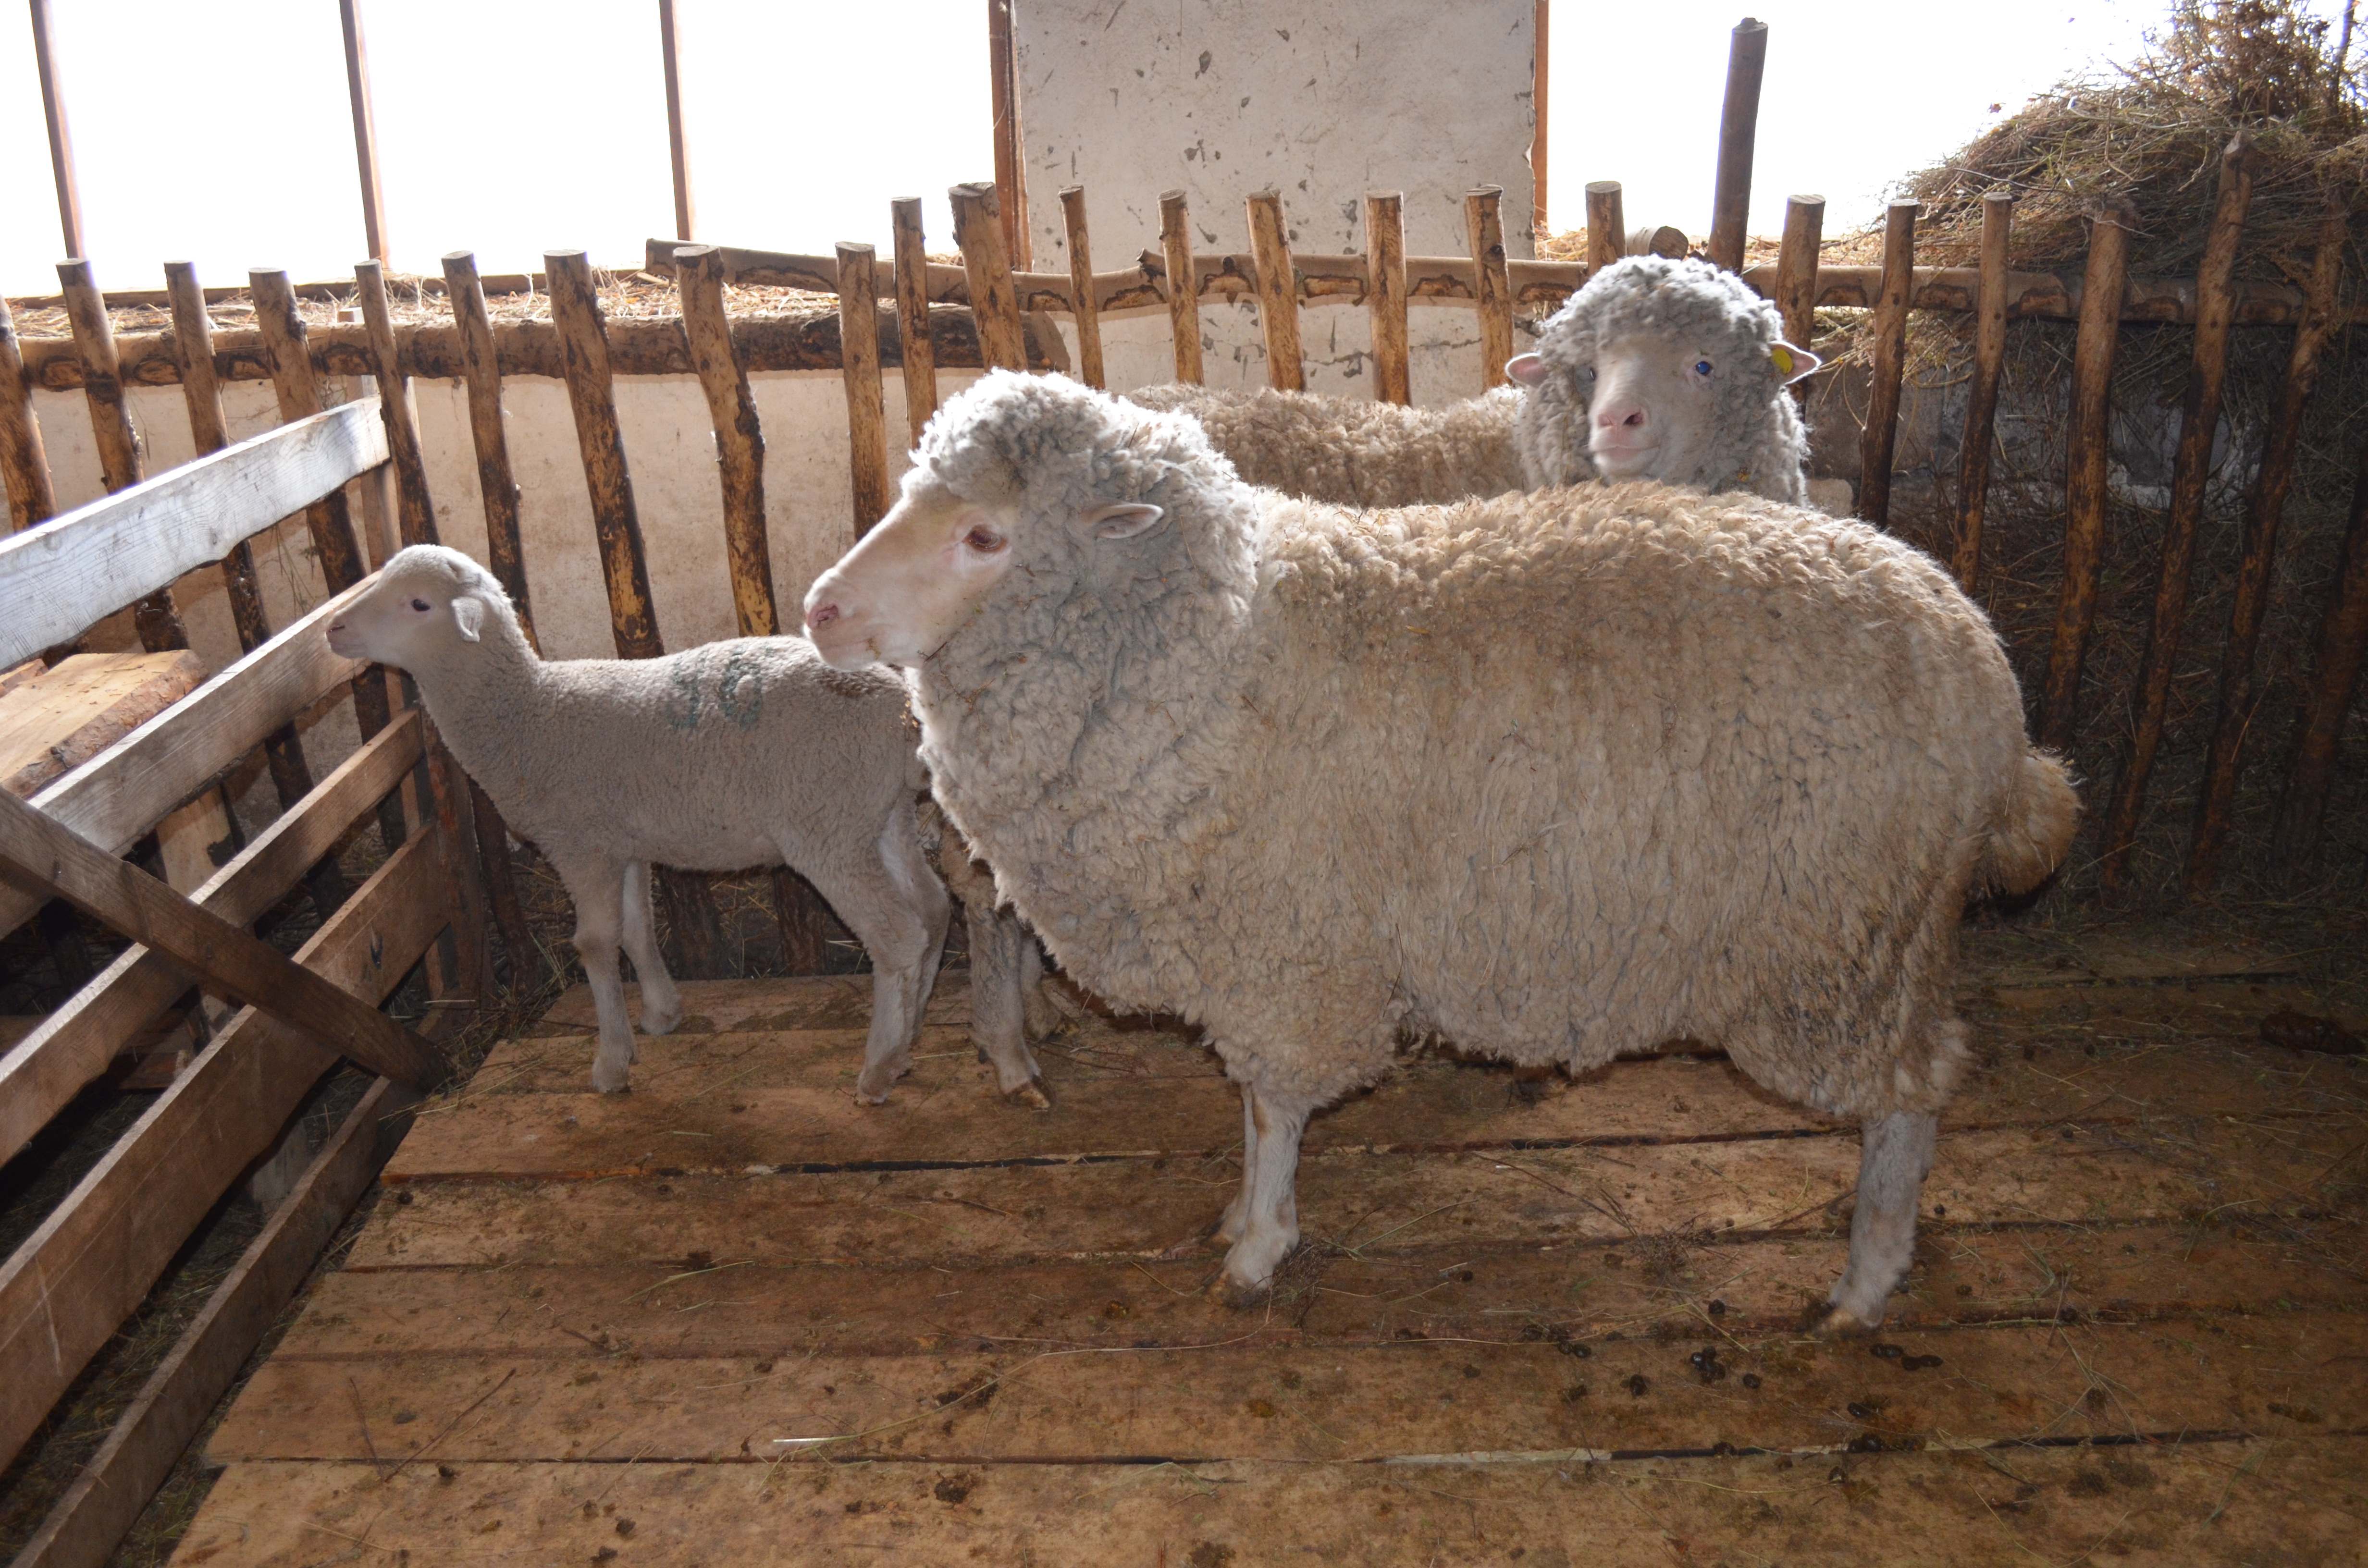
{"points": [[1320, 100]]}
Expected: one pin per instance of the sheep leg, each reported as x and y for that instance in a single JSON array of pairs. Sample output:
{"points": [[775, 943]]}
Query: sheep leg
{"points": [[661, 1002], [1044, 1020], [897, 907], [1235, 1219], [998, 1011], [598, 888], [1896, 1155], [1271, 1214]]}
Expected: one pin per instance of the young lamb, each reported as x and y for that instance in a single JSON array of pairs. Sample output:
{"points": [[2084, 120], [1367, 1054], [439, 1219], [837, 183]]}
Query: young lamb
{"points": [[751, 752], [1682, 364], [1555, 776]]}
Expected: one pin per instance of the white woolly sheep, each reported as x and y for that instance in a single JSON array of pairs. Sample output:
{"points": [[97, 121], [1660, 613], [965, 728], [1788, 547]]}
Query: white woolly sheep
{"points": [[1682, 365], [751, 752], [1554, 776]]}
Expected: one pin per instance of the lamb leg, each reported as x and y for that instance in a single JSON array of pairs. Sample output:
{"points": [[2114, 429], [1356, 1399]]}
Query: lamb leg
{"points": [[1897, 1154], [897, 908], [597, 888], [999, 1016], [661, 1002]]}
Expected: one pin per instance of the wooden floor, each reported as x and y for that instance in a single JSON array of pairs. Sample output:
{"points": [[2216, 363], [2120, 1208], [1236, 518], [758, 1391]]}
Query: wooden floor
{"points": [[735, 1318]]}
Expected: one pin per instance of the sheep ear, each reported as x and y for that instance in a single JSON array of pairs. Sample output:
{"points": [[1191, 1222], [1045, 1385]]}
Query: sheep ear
{"points": [[1793, 364], [1121, 521], [1527, 370], [469, 615]]}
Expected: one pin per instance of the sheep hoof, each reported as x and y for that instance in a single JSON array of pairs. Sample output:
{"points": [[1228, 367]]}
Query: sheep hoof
{"points": [[1242, 1295], [619, 1082], [1831, 1322], [1031, 1094], [660, 1021]]}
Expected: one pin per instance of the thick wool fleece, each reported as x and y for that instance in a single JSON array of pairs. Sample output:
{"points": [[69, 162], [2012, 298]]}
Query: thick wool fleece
{"points": [[1356, 451], [1766, 448], [1555, 776]]}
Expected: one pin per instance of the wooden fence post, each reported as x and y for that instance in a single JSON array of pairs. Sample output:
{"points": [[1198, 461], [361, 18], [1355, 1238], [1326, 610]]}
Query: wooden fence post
{"points": [[1385, 293], [858, 374], [2216, 308], [2335, 678], [1739, 121], [365, 130], [2264, 509], [1981, 399], [504, 553], [1183, 284], [695, 931], [1881, 434], [24, 466], [678, 156], [2084, 479], [1088, 309], [157, 618], [1278, 293], [1796, 274], [1484, 229], [913, 343], [1607, 227], [978, 230], [739, 438], [415, 512]]}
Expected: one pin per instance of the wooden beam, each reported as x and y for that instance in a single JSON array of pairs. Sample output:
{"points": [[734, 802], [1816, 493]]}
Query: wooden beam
{"points": [[2191, 472], [120, 794], [288, 354], [24, 466], [2335, 679], [916, 354], [1182, 285], [71, 1281], [1877, 441], [1981, 399], [1607, 226], [978, 230], [480, 366], [739, 439], [1796, 274], [1278, 293], [415, 510], [73, 1045], [1484, 227], [1387, 294], [43, 858], [1081, 287], [155, 615], [670, 56], [2084, 485], [357, 92], [1739, 122], [1010, 169], [2264, 509], [867, 409], [77, 570], [53, 113], [97, 1510]]}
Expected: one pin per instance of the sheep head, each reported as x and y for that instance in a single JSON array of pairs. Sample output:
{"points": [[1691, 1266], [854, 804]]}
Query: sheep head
{"points": [[427, 602], [1030, 494]]}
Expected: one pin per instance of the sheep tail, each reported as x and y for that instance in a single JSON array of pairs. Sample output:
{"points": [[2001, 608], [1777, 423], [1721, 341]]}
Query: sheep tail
{"points": [[2035, 827]]}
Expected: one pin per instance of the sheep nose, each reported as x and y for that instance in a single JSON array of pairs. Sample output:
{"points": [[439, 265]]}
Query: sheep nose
{"points": [[1631, 415], [821, 615]]}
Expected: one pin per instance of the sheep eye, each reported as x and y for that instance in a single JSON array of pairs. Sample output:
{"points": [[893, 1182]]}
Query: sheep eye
{"points": [[419, 605], [984, 540], [1702, 368]]}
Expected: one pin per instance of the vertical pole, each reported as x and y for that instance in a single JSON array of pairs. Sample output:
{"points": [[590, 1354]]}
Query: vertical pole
{"points": [[157, 618], [1086, 310], [1981, 401], [1385, 292], [2215, 310], [1877, 441], [979, 231], [1183, 285], [1010, 176], [858, 372], [24, 466], [53, 110], [1796, 272], [504, 554], [739, 438], [1738, 124], [1492, 283], [670, 51], [415, 511], [365, 129], [1538, 134], [1607, 228], [1278, 293], [2335, 678], [2084, 478], [913, 341]]}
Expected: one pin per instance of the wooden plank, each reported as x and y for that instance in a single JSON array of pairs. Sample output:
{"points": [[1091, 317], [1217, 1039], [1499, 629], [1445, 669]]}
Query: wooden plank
{"points": [[2341, 647], [1739, 126], [41, 857], [2085, 494], [77, 570], [1882, 432], [1278, 293], [2264, 508], [97, 1510], [86, 702], [1385, 264], [979, 231], [480, 366], [415, 509], [122, 793], [867, 409], [739, 439], [155, 615], [1607, 228], [24, 466], [1484, 226], [917, 355], [74, 1044], [2191, 472], [2205, 1504], [1181, 285], [69, 1284], [1081, 285], [1981, 395]]}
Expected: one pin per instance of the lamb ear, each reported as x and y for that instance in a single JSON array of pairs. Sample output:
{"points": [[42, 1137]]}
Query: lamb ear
{"points": [[1123, 521], [1527, 370], [469, 615], [1793, 364]]}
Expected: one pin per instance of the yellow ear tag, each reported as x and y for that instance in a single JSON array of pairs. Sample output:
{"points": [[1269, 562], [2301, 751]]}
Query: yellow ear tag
{"points": [[1783, 358]]}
